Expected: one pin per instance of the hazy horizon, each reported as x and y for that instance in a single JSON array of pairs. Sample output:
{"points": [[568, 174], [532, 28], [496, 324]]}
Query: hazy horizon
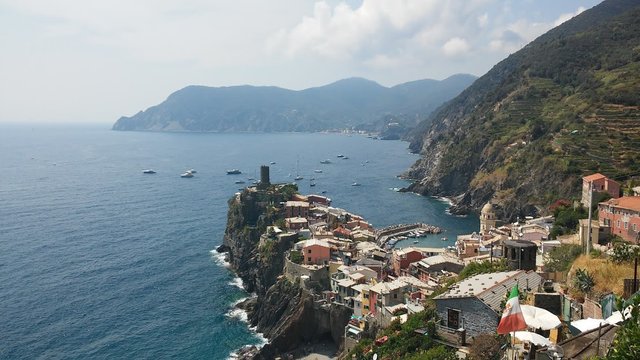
{"points": [[91, 62]]}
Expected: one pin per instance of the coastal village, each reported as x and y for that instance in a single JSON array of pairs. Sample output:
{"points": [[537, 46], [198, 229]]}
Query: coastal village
{"points": [[343, 260]]}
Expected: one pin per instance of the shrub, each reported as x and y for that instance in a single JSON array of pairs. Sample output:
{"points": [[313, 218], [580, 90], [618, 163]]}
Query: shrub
{"points": [[561, 257]]}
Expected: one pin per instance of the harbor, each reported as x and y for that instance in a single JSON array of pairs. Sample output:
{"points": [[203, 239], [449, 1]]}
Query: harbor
{"points": [[387, 237]]}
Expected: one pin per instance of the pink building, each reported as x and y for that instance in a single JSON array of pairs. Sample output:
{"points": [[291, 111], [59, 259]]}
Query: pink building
{"points": [[402, 258], [316, 252], [622, 215], [599, 183]]}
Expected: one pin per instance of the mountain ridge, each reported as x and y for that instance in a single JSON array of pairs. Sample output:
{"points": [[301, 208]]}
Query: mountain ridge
{"points": [[347, 103], [524, 133]]}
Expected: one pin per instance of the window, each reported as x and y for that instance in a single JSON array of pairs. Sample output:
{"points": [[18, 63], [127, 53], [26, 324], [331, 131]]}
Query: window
{"points": [[309, 259], [453, 318], [635, 228], [618, 223], [395, 296], [309, 251], [626, 225]]}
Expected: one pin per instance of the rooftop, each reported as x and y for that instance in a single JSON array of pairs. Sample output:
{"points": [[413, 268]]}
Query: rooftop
{"points": [[625, 202], [312, 242], [491, 288], [297, 204], [593, 177]]}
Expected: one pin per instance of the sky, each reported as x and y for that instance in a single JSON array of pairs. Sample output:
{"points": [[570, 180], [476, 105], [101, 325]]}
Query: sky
{"points": [[92, 61]]}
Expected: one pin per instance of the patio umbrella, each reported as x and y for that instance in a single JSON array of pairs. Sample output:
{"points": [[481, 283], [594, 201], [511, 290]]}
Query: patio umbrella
{"points": [[617, 317], [587, 324], [538, 318], [532, 338]]}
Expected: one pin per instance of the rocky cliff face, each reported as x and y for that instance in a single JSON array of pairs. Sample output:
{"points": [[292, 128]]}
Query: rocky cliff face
{"points": [[525, 133], [284, 312]]}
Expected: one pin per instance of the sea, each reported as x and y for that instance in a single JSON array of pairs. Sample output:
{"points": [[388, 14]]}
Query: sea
{"points": [[101, 261]]}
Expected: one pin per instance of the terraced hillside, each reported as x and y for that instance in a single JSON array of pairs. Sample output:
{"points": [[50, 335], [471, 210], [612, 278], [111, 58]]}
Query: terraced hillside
{"points": [[566, 105]]}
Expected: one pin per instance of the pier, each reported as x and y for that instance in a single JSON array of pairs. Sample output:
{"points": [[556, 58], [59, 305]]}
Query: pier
{"points": [[385, 235]]}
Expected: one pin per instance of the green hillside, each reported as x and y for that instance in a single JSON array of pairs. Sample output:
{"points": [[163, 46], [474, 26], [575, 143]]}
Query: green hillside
{"points": [[350, 103], [566, 105]]}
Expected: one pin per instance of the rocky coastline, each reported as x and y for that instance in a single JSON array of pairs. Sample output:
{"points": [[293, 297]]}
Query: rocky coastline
{"points": [[286, 313]]}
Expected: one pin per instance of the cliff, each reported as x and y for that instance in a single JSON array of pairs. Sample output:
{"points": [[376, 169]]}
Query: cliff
{"points": [[524, 134], [286, 313], [349, 103]]}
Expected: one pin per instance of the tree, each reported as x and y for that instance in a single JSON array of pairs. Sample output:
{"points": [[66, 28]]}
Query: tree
{"points": [[561, 257]]}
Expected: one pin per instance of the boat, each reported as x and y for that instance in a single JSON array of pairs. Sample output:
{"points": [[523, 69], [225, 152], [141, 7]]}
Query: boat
{"points": [[355, 184], [340, 156], [345, 157], [317, 171], [312, 184], [239, 182], [188, 174], [234, 172], [272, 162], [415, 241], [444, 239], [298, 177], [325, 161], [148, 171]]}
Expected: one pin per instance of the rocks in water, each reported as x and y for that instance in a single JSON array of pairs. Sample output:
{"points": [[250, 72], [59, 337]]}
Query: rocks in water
{"points": [[222, 248]]}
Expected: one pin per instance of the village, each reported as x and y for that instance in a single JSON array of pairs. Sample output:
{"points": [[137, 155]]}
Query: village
{"points": [[342, 259]]}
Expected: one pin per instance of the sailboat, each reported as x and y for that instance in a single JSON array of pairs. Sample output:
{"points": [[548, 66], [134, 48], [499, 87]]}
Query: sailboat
{"points": [[298, 176]]}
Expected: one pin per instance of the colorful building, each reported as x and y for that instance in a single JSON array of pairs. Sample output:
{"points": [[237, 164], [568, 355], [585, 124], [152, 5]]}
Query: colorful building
{"points": [[296, 209], [599, 183], [402, 258], [622, 215], [316, 252]]}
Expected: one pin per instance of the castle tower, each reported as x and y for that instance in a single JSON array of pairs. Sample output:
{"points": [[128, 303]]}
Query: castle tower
{"points": [[264, 177], [487, 219]]}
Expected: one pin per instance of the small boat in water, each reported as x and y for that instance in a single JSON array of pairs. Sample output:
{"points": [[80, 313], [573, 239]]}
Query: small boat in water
{"points": [[340, 156], [234, 172], [312, 184], [239, 182], [272, 162], [355, 184], [317, 171], [298, 178], [188, 174], [444, 239], [148, 171]]}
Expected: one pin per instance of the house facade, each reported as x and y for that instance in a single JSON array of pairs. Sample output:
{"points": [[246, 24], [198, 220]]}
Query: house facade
{"points": [[316, 252], [599, 183], [474, 305], [622, 216]]}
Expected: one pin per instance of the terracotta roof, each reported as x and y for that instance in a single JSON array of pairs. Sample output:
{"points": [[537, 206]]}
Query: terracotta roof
{"points": [[593, 177], [625, 202]]}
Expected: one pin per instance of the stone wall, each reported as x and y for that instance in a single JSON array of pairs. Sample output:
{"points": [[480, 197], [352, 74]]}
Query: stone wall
{"points": [[293, 271], [476, 317]]}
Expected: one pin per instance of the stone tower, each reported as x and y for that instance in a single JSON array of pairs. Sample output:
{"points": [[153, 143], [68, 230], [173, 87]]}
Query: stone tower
{"points": [[487, 219], [264, 177]]}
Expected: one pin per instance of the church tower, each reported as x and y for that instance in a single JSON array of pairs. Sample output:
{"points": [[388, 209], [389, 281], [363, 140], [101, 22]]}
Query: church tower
{"points": [[487, 219]]}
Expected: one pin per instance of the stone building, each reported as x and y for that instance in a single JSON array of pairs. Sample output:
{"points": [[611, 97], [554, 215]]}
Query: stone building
{"points": [[520, 254]]}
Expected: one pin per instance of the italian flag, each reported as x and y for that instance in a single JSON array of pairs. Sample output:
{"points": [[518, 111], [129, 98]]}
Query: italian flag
{"points": [[512, 319]]}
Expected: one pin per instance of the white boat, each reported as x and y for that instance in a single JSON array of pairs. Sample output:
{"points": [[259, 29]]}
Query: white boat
{"points": [[272, 162], [188, 174], [340, 156], [355, 184], [298, 178], [239, 182], [234, 172], [312, 184], [325, 161], [148, 171], [317, 171]]}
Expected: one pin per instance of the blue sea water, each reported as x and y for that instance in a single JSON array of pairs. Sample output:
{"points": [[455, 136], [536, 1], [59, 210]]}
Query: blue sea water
{"points": [[99, 261]]}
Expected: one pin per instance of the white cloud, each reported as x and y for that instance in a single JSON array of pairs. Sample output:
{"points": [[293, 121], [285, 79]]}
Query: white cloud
{"points": [[455, 47], [564, 17]]}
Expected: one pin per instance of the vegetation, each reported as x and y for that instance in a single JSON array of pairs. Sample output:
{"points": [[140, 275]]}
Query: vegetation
{"points": [[560, 258], [607, 275], [554, 111], [404, 343], [566, 220], [296, 257], [624, 253], [583, 281], [625, 344], [483, 267], [486, 347]]}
